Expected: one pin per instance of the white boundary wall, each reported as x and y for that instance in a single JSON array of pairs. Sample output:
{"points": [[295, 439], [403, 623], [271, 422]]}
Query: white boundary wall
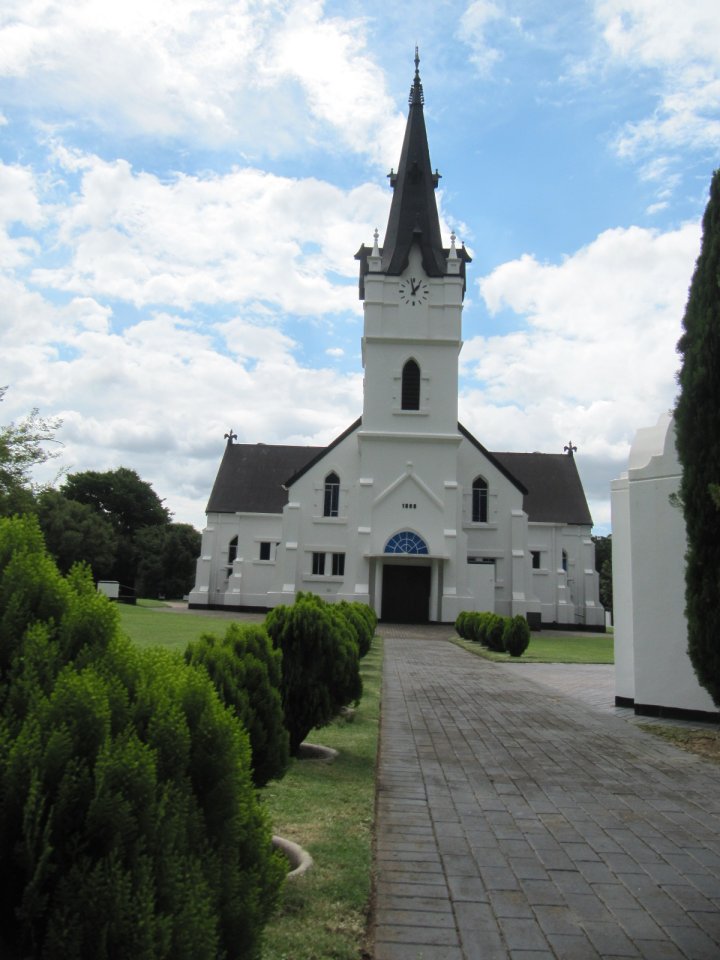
{"points": [[652, 666]]}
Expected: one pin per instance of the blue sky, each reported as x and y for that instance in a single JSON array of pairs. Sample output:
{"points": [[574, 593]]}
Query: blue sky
{"points": [[183, 186]]}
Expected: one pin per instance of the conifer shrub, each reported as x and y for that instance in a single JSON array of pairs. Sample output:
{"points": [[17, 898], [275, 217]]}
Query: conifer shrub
{"points": [[359, 623], [461, 624], [247, 673], [129, 823], [320, 664], [494, 627], [516, 635]]}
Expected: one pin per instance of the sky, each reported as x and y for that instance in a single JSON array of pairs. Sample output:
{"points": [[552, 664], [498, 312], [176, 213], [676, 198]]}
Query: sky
{"points": [[184, 184]]}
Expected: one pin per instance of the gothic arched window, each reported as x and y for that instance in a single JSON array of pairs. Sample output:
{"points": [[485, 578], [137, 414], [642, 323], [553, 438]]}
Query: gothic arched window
{"points": [[410, 386], [331, 503], [479, 500], [231, 555]]}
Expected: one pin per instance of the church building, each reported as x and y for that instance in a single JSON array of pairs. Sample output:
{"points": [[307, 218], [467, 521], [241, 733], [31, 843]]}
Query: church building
{"points": [[406, 510]]}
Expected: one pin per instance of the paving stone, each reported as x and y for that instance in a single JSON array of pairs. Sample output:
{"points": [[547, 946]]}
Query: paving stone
{"points": [[522, 819], [522, 934]]}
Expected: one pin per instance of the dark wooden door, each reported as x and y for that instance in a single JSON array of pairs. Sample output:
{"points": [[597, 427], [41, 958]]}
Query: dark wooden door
{"points": [[405, 594]]}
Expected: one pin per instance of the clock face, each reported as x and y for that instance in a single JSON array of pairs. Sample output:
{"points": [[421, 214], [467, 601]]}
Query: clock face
{"points": [[414, 291]]}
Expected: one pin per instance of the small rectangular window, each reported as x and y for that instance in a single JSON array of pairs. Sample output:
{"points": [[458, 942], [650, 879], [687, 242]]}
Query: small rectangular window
{"points": [[338, 564], [535, 559], [318, 564], [265, 550]]}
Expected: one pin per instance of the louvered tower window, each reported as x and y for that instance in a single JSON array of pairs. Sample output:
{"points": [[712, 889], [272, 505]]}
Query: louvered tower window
{"points": [[411, 386]]}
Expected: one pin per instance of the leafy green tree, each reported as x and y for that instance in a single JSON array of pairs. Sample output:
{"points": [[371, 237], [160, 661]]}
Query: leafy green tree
{"points": [[167, 559], [23, 445], [74, 531], [129, 823], [698, 446], [128, 503], [247, 673], [320, 665]]}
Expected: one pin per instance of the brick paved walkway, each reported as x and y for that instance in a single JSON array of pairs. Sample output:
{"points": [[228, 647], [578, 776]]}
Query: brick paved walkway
{"points": [[515, 821]]}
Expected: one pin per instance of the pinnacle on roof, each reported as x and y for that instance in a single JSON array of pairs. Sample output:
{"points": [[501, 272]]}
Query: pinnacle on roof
{"points": [[413, 213]]}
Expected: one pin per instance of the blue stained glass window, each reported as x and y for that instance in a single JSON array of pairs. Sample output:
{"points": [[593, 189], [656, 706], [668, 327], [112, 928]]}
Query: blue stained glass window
{"points": [[406, 542]]}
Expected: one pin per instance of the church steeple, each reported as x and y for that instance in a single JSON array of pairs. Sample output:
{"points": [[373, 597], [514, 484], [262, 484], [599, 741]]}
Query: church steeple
{"points": [[413, 213]]}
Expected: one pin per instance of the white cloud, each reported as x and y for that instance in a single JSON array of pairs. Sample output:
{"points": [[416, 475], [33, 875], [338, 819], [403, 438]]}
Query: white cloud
{"points": [[268, 76], [209, 239], [681, 41], [473, 30], [592, 357]]}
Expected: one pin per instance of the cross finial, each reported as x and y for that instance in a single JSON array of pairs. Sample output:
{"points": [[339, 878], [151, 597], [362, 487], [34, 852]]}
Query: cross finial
{"points": [[569, 449], [230, 436]]}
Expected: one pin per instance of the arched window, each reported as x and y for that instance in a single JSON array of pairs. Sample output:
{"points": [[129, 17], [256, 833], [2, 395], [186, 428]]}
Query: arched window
{"points": [[331, 502], [411, 386], [231, 555], [564, 560], [479, 500], [406, 542]]}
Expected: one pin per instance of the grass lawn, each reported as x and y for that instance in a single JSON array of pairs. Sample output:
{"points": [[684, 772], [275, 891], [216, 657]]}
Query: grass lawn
{"points": [[327, 808], [595, 648], [155, 625]]}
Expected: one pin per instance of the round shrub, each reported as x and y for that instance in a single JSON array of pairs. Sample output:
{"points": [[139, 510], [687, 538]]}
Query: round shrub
{"points": [[494, 627], [358, 623], [516, 636], [320, 664], [247, 673]]}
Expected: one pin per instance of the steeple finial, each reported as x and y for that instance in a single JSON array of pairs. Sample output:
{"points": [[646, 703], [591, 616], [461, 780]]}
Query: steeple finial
{"points": [[570, 448], [416, 90]]}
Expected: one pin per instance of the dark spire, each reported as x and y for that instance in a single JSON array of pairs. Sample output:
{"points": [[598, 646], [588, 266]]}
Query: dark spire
{"points": [[413, 213]]}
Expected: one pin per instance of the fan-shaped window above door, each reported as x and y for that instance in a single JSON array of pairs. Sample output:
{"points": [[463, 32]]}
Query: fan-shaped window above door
{"points": [[406, 543]]}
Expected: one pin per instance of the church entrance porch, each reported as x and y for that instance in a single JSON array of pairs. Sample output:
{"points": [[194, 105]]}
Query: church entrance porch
{"points": [[405, 593]]}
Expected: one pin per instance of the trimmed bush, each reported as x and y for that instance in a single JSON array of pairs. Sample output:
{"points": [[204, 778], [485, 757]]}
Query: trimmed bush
{"points": [[247, 673], [129, 823], [359, 623], [494, 627], [320, 664], [516, 636]]}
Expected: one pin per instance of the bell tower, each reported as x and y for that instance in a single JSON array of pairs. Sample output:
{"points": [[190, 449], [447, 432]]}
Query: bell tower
{"points": [[413, 290]]}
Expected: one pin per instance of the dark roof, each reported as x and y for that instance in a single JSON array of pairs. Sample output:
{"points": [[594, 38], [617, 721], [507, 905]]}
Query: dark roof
{"points": [[251, 477], [555, 493], [413, 212]]}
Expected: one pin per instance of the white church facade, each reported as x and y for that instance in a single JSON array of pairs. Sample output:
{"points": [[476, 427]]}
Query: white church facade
{"points": [[406, 510]]}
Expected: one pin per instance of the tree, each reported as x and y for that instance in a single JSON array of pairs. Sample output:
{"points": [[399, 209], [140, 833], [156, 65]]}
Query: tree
{"points": [[167, 558], [75, 531], [603, 565], [22, 447], [698, 445], [129, 824], [128, 503]]}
